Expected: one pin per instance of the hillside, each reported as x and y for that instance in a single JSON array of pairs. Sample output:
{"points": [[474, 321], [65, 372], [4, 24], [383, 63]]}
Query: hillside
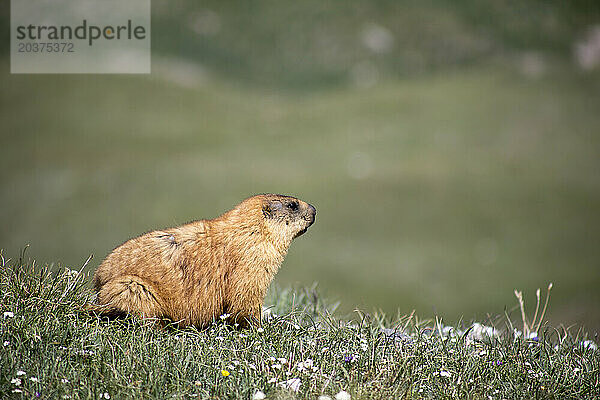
{"points": [[51, 349]]}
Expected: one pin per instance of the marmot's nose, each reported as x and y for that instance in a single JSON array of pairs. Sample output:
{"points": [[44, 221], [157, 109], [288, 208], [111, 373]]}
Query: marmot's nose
{"points": [[311, 213]]}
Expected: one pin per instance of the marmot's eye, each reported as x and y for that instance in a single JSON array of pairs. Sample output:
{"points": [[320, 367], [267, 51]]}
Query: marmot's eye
{"points": [[293, 206]]}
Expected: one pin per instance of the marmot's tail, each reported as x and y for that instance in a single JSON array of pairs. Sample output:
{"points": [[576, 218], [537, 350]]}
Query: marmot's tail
{"points": [[128, 295], [105, 311]]}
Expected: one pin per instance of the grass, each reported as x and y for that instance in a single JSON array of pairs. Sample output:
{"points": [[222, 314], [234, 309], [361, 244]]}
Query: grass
{"points": [[50, 349], [449, 167]]}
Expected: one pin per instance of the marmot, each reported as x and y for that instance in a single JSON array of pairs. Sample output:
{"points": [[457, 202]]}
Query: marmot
{"points": [[194, 273]]}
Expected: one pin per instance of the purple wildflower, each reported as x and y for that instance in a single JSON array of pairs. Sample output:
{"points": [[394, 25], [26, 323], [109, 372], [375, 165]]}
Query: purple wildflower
{"points": [[350, 358]]}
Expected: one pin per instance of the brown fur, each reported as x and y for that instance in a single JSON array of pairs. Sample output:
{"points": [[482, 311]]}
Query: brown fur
{"points": [[196, 272]]}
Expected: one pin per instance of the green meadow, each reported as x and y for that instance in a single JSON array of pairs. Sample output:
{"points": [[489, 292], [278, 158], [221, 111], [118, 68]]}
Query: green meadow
{"points": [[451, 150], [49, 348]]}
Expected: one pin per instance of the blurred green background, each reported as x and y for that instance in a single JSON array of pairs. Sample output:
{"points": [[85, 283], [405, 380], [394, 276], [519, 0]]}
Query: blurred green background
{"points": [[450, 147]]}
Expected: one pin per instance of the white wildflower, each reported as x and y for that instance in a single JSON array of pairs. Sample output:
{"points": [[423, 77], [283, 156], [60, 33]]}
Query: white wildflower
{"points": [[588, 344], [21, 373], [16, 381], [323, 397], [291, 384], [532, 336], [343, 395], [6, 343], [517, 333], [258, 395], [282, 360], [445, 374], [34, 379], [260, 330], [64, 380], [225, 316], [8, 314], [480, 332], [105, 395], [72, 273], [17, 391]]}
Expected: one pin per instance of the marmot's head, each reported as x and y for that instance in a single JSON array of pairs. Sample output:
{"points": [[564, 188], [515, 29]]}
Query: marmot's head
{"points": [[281, 218], [287, 216]]}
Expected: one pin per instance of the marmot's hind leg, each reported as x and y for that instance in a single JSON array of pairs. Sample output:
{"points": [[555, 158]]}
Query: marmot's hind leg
{"points": [[128, 295]]}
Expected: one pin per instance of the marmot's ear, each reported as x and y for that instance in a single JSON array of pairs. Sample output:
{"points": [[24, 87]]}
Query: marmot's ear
{"points": [[266, 210], [270, 208]]}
